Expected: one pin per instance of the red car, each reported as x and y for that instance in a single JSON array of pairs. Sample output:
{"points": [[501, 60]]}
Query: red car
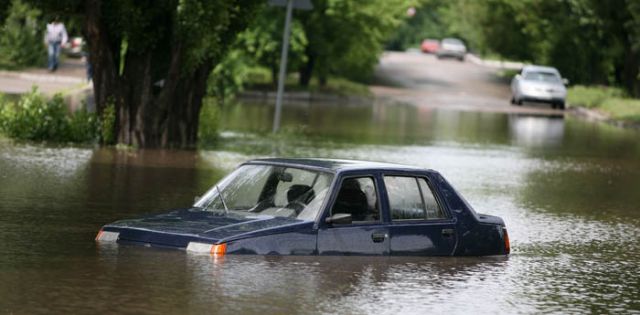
{"points": [[430, 46]]}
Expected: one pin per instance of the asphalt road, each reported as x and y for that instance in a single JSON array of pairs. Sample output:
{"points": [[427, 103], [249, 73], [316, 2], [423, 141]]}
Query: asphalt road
{"points": [[423, 80]]}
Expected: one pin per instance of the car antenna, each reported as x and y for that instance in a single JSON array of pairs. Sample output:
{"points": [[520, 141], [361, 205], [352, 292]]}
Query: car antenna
{"points": [[226, 210]]}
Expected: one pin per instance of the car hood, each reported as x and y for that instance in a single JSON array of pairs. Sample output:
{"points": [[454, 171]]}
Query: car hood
{"points": [[179, 227]]}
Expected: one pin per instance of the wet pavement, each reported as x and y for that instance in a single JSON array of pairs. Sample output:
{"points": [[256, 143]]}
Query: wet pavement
{"points": [[447, 84], [567, 190]]}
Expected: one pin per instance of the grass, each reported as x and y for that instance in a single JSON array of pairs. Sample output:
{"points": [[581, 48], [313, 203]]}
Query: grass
{"points": [[612, 101], [592, 96]]}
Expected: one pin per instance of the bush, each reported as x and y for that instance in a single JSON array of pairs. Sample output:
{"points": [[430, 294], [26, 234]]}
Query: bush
{"points": [[592, 96], [83, 127], [107, 124], [36, 118], [209, 122], [20, 37]]}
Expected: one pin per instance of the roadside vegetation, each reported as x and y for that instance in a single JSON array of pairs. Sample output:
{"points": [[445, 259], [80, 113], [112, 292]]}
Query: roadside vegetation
{"points": [[612, 101], [21, 36], [34, 117]]}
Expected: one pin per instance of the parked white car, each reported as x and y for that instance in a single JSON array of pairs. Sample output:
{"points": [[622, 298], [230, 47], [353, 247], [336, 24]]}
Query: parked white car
{"points": [[452, 47], [539, 84]]}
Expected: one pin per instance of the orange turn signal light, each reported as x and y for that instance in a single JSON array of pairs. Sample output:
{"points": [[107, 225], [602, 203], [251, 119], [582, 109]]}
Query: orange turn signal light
{"points": [[219, 250], [507, 245]]}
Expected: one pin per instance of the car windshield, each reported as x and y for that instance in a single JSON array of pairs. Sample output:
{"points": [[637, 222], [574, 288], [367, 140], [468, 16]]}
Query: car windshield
{"points": [[280, 191], [542, 76]]}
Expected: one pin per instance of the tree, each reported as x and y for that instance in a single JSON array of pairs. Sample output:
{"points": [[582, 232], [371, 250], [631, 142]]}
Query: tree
{"points": [[345, 37], [151, 60], [20, 36]]}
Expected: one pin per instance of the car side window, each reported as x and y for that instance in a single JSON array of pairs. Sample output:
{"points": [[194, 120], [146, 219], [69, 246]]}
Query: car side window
{"points": [[358, 197], [411, 198]]}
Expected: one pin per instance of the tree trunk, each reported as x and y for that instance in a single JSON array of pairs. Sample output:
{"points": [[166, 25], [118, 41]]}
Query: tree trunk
{"points": [[150, 111], [306, 70], [630, 71]]}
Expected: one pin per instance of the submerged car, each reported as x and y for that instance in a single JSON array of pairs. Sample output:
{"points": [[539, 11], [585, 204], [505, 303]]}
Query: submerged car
{"points": [[452, 47], [322, 207], [539, 84]]}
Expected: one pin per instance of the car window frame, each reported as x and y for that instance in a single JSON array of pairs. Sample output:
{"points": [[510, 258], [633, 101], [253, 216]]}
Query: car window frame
{"points": [[449, 217], [337, 185]]}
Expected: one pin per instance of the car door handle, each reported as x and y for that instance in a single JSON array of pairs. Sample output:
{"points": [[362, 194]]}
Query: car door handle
{"points": [[378, 237], [448, 232]]}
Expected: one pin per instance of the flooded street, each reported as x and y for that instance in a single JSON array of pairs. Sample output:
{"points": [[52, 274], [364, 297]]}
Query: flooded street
{"points": [[568, 190]]}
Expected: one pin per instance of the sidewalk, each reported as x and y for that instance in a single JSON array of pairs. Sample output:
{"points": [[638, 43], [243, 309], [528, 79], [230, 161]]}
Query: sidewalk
{"points": [[70, 74], [69, 80]]}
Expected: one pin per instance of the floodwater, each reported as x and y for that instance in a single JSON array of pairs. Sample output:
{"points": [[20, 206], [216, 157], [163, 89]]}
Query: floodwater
{"points": [[569, 191]]}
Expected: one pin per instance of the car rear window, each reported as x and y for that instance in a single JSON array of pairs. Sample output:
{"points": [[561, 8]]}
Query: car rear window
{"points": [[542, 76]]}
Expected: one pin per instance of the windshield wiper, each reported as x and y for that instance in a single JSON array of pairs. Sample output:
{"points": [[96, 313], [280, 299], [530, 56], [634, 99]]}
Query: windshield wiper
{"points": [[226, 210]]}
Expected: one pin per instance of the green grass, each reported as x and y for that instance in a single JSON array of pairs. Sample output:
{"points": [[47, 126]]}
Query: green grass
{"points": [[592, 96], [623, 109], [612, 101]]}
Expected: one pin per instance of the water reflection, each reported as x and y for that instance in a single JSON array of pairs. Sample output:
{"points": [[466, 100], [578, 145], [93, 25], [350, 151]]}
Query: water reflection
{"points": [[566, 189], [536, 131]]}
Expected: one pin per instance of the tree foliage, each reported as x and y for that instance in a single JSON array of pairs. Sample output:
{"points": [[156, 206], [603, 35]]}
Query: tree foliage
{"points": [[346, 36], [21, 36]]}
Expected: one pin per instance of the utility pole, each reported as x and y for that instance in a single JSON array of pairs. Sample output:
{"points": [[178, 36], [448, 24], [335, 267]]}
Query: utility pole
{"points": [[282, 76]]}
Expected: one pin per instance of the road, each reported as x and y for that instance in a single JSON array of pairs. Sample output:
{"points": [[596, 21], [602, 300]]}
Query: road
{"points": [[70, 75], [425, 81]]}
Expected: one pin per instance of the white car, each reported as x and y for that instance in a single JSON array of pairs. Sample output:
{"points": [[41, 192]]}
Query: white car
{"points": [[539, 84], [452, 47]]}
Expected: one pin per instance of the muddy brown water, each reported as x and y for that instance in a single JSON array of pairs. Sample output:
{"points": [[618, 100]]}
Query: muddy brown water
{"points": [[569, 191]]}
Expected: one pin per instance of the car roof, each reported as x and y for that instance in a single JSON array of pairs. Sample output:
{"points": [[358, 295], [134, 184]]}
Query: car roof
{"points": [[535, 68], [334, 165]]}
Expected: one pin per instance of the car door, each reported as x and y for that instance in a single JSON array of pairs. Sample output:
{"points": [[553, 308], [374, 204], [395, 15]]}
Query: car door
{"points": [[419, 224], [366, 234]]}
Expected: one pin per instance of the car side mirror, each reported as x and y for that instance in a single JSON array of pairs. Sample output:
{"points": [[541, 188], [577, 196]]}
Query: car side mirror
{"points": [[196, 198], [518, 76], [565, 81], [339, 218]]}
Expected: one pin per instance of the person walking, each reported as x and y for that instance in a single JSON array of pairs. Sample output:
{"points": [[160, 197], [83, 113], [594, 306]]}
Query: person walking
{"points": [[54, 37]]}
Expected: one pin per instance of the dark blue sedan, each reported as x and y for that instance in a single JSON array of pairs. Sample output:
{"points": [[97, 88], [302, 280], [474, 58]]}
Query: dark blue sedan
{"points": [[322, 207]]}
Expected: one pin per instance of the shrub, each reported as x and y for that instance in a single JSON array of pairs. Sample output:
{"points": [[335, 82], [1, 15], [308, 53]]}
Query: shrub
{"points": [[39, 119], [107, 124], [209, 122], [21, 38], [83, 126]]}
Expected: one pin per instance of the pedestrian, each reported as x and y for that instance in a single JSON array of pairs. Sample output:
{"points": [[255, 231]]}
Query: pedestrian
{"points": [[54, 38]]}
